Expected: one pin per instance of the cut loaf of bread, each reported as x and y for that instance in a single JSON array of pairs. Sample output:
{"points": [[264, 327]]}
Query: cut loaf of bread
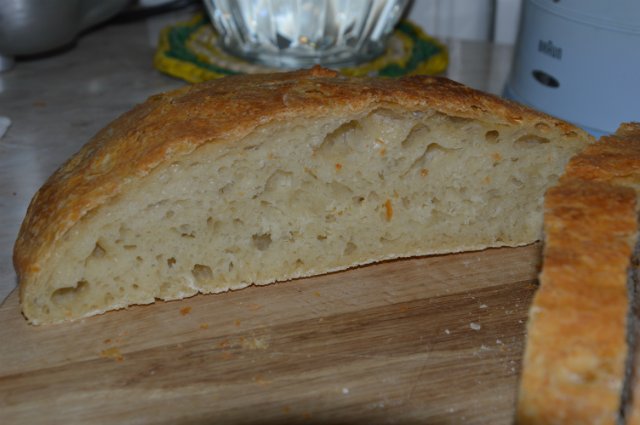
{"points": [[581, 335], [255, 179]]}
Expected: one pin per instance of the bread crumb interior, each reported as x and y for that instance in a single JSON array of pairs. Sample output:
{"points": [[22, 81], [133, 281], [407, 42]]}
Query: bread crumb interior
{"points": [[297, 199]]}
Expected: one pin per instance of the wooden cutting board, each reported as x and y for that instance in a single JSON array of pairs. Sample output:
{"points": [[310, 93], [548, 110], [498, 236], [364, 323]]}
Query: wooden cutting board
{"points": [[435, 340]]}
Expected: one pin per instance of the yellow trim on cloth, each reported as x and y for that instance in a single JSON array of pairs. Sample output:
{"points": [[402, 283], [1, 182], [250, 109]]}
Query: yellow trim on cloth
{"points": [[190, 51]]}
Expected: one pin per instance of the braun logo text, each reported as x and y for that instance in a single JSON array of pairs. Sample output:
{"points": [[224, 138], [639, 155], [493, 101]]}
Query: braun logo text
{"points": [[548, 48]]}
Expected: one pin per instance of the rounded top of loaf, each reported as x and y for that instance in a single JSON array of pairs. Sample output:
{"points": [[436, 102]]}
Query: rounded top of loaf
{"points": [[171, 125]]}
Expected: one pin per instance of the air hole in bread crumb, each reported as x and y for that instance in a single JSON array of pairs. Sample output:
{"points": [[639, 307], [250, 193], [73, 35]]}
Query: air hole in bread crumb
{"points": [[186, 231], [68, 294], [350, 248], [108, 298], [321, 237], [165, 289], [261, 241], [416, 136], [279, 180], [231, 266], [491, 136], [530, 141], [299, 263], [293, 235], [169, 214], [139, 259], [516, 182], [214, 225], [124, 231], [171, 261], [130, 247], [542, 126], [98, 251], [358, 200], [433, 150], [202, 273], [225, 188], [335, 143]]}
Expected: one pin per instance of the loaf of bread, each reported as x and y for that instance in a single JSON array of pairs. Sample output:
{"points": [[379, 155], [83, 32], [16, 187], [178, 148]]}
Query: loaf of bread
{"points": [[263, 178], [580, 342]]}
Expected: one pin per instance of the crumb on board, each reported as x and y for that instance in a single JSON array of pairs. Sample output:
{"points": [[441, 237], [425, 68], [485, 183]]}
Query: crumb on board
{"points": [[185, 310], [226, 355], [260, 380], [112, 353], [475, 326], [253, 343], [254, 306], [204, 326]]}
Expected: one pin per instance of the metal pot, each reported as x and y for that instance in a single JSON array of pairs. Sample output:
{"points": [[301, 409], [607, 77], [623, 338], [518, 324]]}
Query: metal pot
{"points": [[30, 27]]}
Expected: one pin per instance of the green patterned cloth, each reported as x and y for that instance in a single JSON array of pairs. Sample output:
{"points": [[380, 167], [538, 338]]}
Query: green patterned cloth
{"points": [[190, 51]]}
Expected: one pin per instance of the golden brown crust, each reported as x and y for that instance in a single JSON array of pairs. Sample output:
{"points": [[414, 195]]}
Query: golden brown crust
{"points": [[631, 133], [174, 124], [574, 365]]}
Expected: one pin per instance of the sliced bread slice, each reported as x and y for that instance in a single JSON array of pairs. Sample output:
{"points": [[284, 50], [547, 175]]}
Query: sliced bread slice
{"points": [[580, 332]]}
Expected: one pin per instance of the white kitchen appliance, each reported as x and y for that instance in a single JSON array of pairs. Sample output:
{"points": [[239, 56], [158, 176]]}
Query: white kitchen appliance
{"points": [[579, 60]]}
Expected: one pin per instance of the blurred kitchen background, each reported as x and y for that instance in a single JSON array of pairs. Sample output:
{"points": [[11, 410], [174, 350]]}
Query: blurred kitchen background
{"points": [[486, 20], [23, 23], [575, 59]]}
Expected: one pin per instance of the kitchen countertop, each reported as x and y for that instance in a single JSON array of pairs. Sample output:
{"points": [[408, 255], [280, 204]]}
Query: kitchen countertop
{"points": [[55, 103]]}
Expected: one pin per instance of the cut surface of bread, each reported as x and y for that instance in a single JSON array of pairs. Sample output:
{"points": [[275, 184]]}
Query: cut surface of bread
{"points": [[580, 333], [255, 179]]}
